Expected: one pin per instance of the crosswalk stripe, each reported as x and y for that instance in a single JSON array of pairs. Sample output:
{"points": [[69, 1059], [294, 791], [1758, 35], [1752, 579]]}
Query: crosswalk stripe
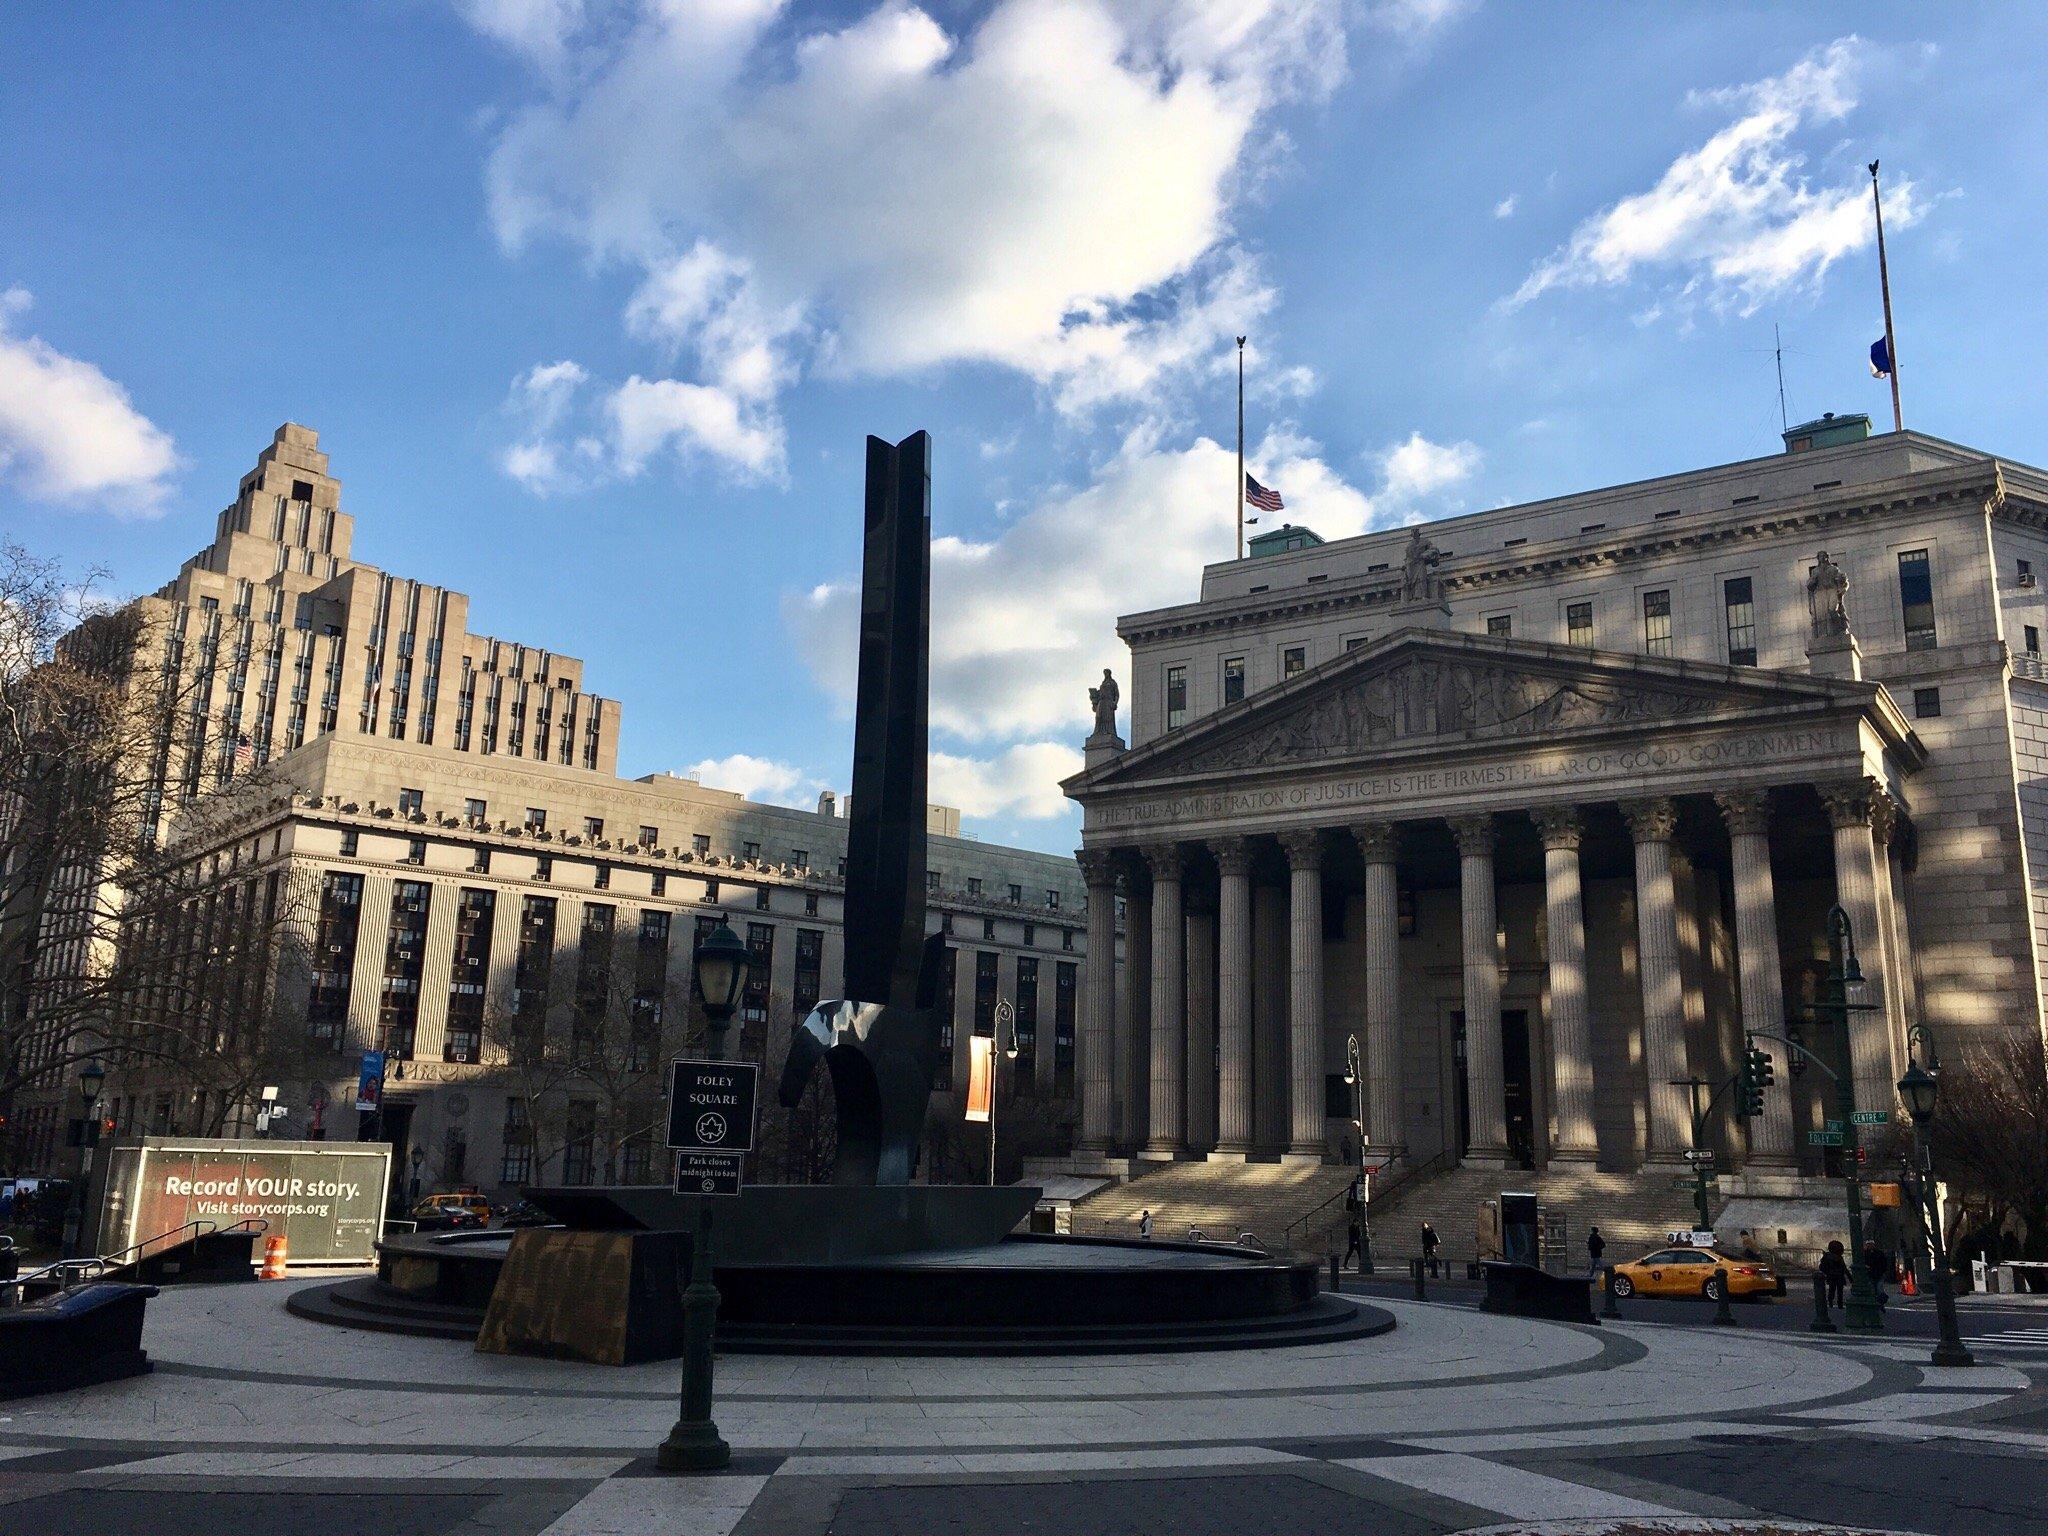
{"points": [[1505, 1490]]}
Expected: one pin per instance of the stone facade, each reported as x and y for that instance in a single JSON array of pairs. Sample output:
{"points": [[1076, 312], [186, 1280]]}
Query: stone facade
{"points": [[1547, 805]]}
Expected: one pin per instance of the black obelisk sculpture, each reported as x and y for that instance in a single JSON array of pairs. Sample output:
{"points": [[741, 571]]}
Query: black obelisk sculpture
{"points": [[878, 1040]]}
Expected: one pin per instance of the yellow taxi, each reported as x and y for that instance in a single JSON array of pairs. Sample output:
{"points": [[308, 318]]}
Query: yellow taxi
{"points": [[1691, 1272], [463, 1209]]}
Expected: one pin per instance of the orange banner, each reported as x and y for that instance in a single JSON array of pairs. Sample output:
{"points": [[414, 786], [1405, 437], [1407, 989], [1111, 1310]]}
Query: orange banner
{"points": [[981, 1076]]}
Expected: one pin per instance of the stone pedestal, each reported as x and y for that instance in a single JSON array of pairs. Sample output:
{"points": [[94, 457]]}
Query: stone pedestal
{"points": [[1101, 747], [1835, 656]]}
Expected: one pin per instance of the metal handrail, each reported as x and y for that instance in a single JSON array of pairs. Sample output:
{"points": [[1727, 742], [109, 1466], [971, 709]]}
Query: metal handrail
{"points": [[75, 1271], [1404, 1173]]}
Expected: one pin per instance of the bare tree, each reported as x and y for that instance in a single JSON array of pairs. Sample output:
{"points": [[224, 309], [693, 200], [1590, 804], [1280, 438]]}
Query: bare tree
{"points": [[1990, 1138]]}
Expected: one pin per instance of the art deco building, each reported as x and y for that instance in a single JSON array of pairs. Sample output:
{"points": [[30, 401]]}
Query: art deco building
{"points": [[447, 807], [1547, 806]]}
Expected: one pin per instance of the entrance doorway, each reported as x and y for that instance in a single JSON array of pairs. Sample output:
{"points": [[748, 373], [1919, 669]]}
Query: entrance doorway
{"points": [[393, 1123], [1518, 1097]]}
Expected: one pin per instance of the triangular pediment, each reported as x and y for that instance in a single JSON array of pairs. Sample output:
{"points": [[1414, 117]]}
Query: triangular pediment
{"points": [[1419, 688]]}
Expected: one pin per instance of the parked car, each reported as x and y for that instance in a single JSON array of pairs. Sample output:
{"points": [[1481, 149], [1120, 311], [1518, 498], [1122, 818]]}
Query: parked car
{"points": [[446, 1213], [1691, 1272], [524, 1213]]}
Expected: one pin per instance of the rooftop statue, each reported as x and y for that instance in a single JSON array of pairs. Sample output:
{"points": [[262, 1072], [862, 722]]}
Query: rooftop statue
{"points": [[1827, 598], [1104, 701]]}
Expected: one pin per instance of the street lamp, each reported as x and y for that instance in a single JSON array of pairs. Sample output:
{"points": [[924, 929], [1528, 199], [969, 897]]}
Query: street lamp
{"points": [[1918, 1090], [1863, 1312], [89, 1083], [1355, 1077], [1003, 1045], [695, 1445]]}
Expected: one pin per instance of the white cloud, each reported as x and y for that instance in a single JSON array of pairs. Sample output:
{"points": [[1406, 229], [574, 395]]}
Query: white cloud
{"points": [[1736, 220], [1023, 781], [538, 29], [649, 415], [1505, 208], [1050, 189], [1024, 622], [68, 432], [758, 778]]}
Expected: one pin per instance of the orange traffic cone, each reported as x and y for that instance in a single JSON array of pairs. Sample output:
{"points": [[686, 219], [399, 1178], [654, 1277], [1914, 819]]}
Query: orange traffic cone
{"points": [[1907, 1285], [276, 1253]]}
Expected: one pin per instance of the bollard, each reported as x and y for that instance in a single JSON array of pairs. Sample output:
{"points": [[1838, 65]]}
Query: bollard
{"points": [[1724, 1314], [1612, 1307], [1421, 1290], [1821, 1323]]}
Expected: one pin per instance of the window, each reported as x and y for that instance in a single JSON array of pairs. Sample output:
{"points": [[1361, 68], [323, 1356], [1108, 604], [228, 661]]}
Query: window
{"points": [[1030, 935], [754, 997], [536, 819], [516, 1166], [416, 850], [1926, 703], [988, 929], [974, 885], [1657, 622], [761, 899], [1501, 626], [1356, 642], [334, 954], [931, 879], [1578, 624], [1738, 604], [468, 973], [660, 883], [544, 868], [350, 841], [1916, 599], [604, 877], [2033, 635], [750, 851], [942, 1058], [1066, 977], [1233, 679], [987, 989], [1025, 1036], [474, 809], [1293, 661], [649, 836], [810, 971], [2026, 572], [1052, 900], [410, 802], [810, 903], [1176, 697], [800, 858], [699, 844], [593, 827], [579, 1145], [405, 950], [710, 891], [480, 861], [1016, 895], [1066, 938]]}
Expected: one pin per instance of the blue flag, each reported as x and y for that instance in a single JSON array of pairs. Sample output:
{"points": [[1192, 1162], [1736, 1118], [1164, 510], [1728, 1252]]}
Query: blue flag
{"points": [[1881, 358]]}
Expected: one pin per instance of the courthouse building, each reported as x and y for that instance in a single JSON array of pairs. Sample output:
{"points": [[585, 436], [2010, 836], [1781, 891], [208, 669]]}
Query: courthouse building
{"points": [[1547, 805], [449, 807]]}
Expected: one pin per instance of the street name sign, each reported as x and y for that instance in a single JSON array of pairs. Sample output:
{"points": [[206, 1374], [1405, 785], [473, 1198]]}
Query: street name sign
{"points": [[707, 1173], [1824, 1138], [711, 1105], [1871, 1117]]}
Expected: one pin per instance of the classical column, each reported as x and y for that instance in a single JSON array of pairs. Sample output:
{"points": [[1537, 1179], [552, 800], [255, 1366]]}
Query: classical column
{"points": [[1305, 1119], [1168, 1096], [1571, 1029], [1651, 822], [1851, 807], [1758, 971], [1485, 1091], [1134, 1015], [1097, 1045], [1269, 1018], [1884, 827], [1200, 1127], [1380, 843], [1233, 999]]}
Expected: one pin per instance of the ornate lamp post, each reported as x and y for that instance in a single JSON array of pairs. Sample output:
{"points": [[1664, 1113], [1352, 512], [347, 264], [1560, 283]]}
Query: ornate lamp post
{"points": [[1002, 1048], [1918, 1090], [1355, 1077], [695, 1445], [89, 1081]]}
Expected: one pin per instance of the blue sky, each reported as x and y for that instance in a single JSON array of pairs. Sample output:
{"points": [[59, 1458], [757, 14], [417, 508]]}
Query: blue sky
{"points": [[593, 302]]}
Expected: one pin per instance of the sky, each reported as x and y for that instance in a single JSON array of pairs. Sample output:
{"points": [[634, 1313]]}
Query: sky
{"points": [[593, 301]]}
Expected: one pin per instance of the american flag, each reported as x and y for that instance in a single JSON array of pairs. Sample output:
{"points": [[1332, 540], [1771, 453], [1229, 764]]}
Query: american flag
{"points": [[244, 753], [1260, 496]]}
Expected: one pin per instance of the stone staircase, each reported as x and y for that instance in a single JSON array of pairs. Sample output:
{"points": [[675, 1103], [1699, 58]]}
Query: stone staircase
{"points": [[1634, 1211], [1283, 1205]]}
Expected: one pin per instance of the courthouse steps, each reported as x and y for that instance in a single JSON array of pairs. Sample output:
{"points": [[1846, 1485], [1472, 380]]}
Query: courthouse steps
{"points": [[1634, 1211], [1222, 1200]]}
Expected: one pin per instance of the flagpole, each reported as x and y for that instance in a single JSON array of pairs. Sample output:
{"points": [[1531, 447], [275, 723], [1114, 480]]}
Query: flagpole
{"points": [[1884, 279], [1240, 447]]}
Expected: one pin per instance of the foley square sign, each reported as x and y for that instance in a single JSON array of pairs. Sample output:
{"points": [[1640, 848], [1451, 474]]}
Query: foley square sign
{"points": [[711, 1105]]}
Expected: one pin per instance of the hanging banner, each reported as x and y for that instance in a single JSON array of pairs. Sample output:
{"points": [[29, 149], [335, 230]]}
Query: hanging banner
{"points": [[981, 1076], [370, 1083]]}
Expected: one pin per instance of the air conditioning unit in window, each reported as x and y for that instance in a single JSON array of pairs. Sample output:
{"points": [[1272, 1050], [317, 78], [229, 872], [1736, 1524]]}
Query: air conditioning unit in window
{"points": [[2027, 579]]}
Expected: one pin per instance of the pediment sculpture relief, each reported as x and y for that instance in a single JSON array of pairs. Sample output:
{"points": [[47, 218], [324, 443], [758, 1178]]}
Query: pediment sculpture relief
{"points": [[1428, 697]]}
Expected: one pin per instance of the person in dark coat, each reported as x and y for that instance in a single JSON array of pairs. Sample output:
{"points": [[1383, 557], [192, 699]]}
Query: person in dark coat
{"points": [[1431, 1244], [1878, 1265], [1596, 1245], [1834, 1272], [1354, 1221]]}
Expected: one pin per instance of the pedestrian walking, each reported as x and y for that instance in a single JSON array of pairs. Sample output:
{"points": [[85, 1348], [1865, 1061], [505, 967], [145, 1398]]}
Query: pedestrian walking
{"points": [[1431, 1243], [1878, 1265], [1749, 1249], [1145, 1225], [1353, 1207], [1596, 1245], [1834, 1272]]}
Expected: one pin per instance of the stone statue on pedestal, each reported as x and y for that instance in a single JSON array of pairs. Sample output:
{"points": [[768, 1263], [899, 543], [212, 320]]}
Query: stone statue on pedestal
{"points": [[1104, 701], [1827, 598], [1419, 580]]}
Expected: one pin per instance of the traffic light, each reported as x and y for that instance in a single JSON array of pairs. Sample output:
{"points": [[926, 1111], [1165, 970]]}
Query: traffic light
{"points": [[1751, 1078], [1765, 1071]]}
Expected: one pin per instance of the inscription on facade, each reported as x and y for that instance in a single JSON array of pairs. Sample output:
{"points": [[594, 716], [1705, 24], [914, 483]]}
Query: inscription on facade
{"points": [[1452, 781]]}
